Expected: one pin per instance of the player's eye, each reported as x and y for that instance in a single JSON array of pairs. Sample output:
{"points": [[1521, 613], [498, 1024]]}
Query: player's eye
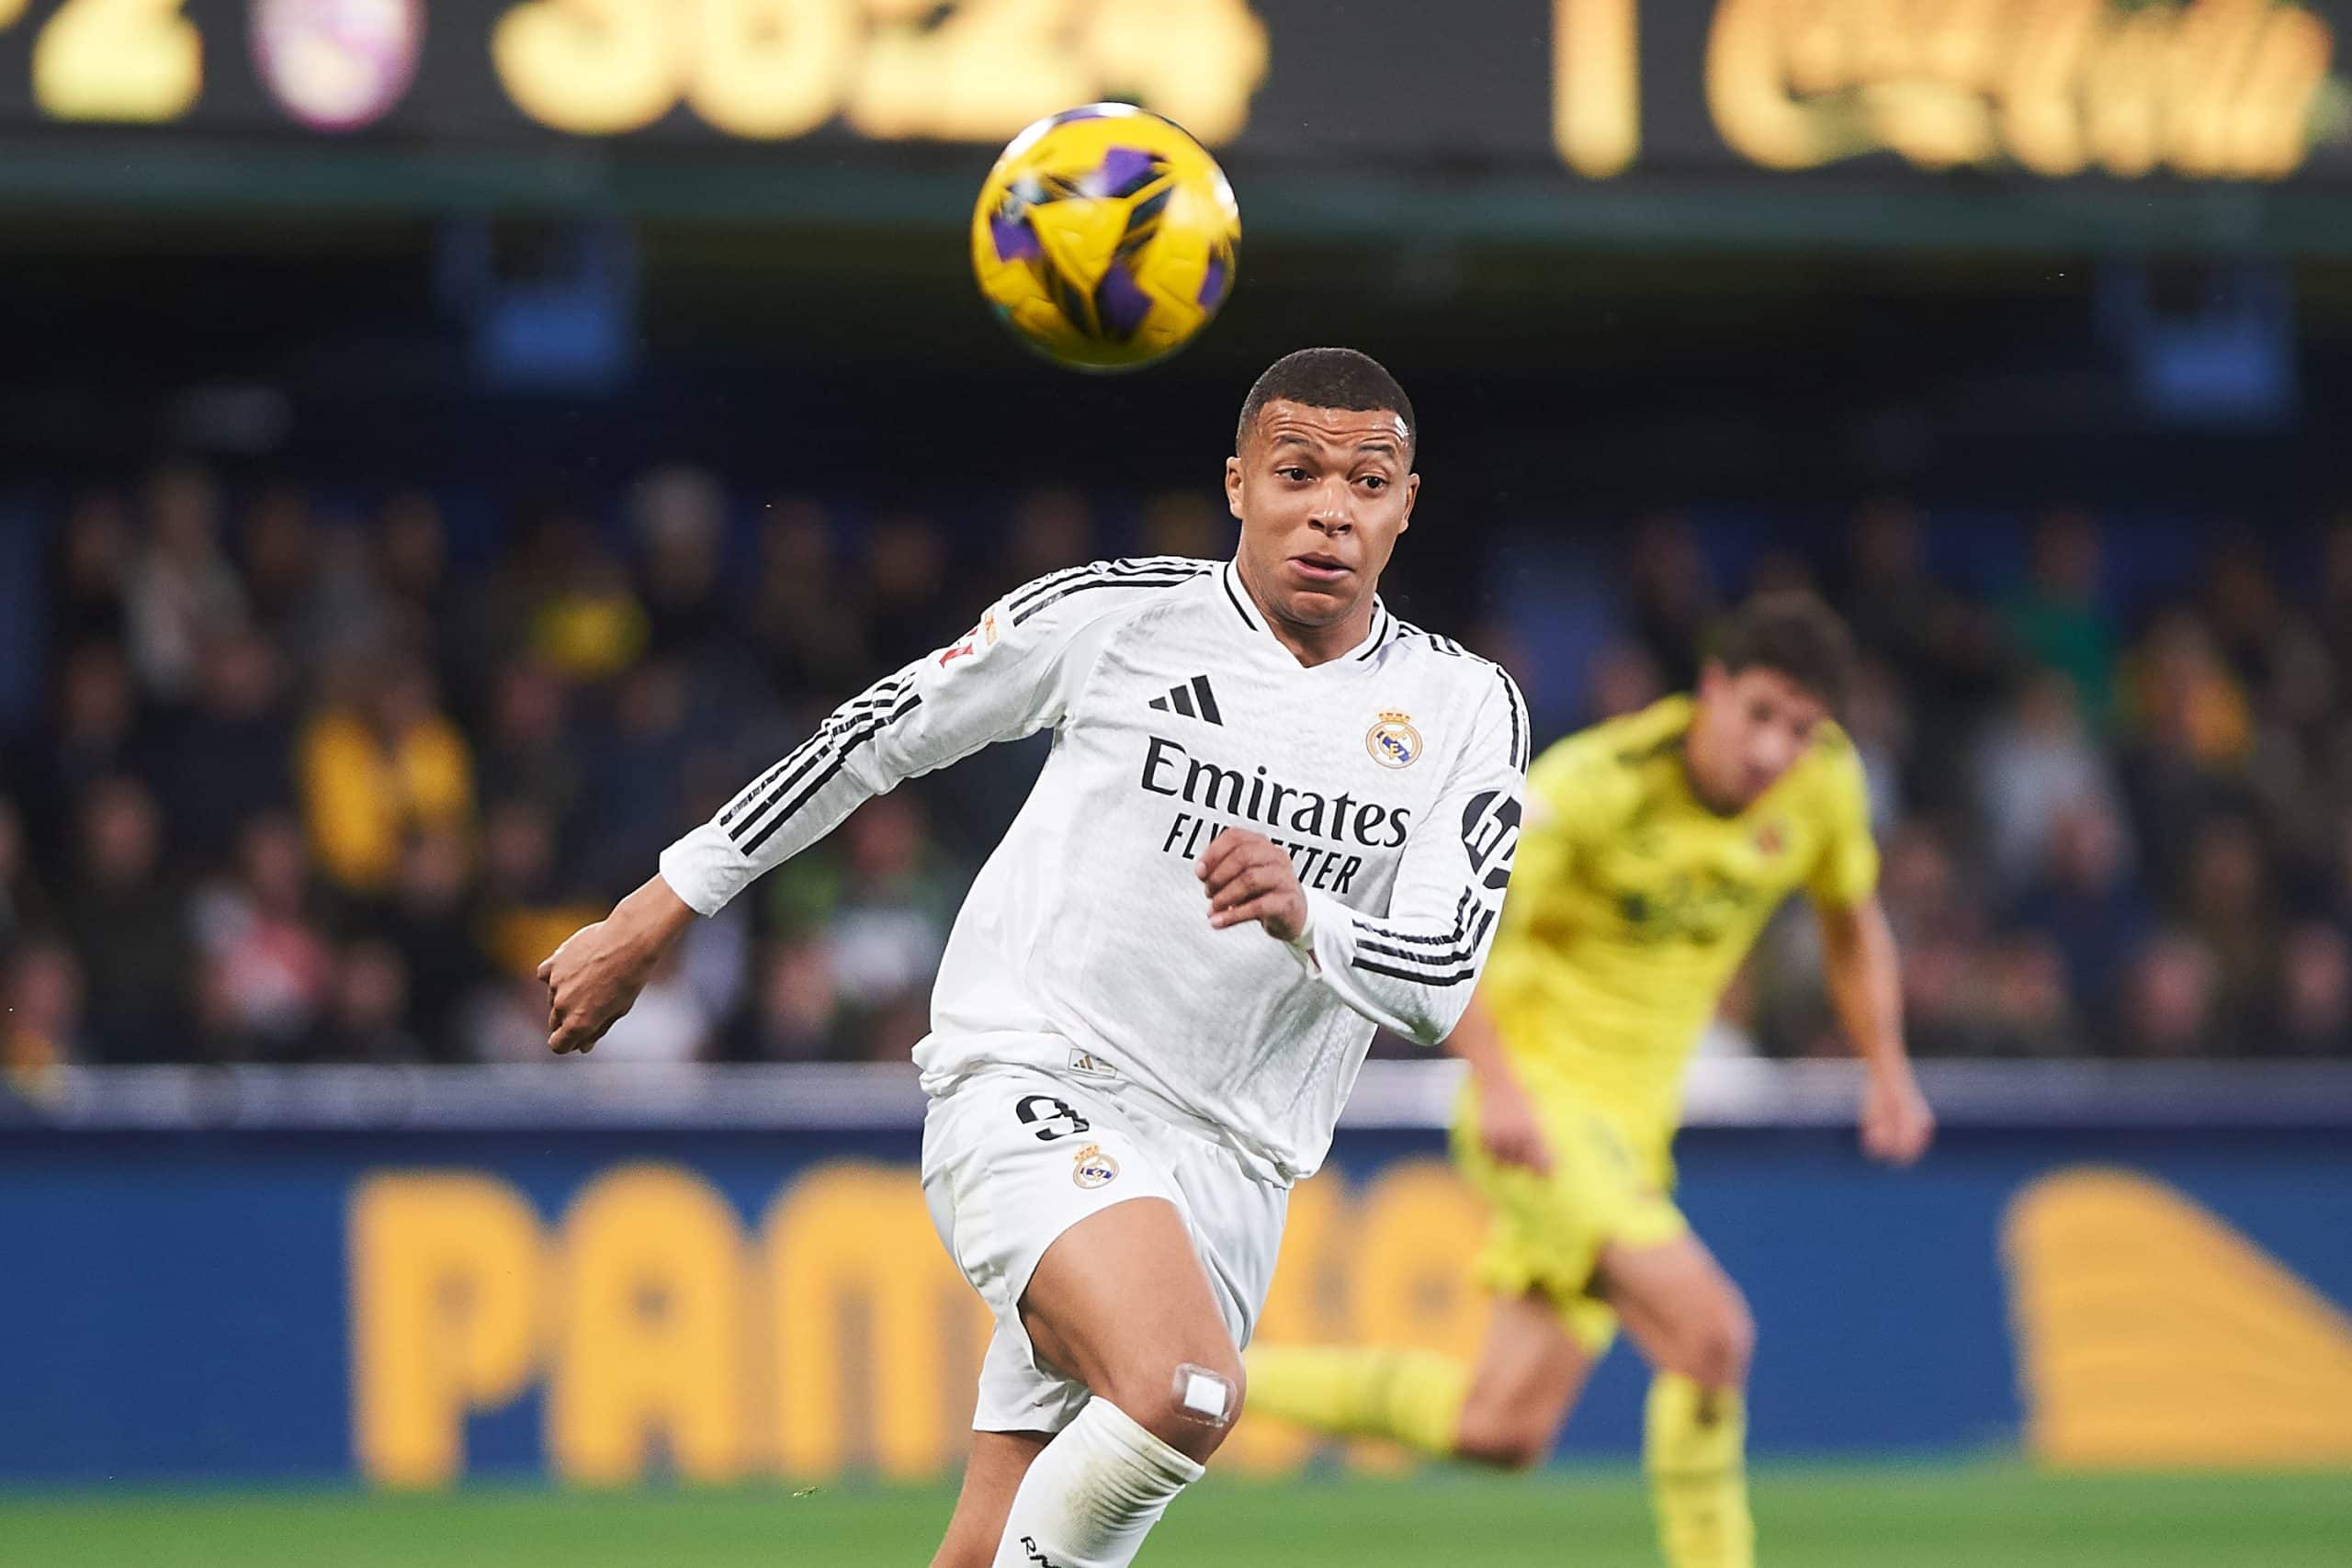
{"points": [[1374, 482], [1293, 472]]}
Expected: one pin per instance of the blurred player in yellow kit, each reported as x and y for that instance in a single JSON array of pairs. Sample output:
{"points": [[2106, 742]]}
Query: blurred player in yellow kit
{"points": [[1654, 849]]}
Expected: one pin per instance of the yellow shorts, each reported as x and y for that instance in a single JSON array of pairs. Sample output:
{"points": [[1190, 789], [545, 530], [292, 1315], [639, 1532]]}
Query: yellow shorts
{"points": [[1548, 1230]]}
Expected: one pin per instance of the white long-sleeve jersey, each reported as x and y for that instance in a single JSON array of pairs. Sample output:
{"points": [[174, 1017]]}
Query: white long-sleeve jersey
{"points": [[1391, 775]]}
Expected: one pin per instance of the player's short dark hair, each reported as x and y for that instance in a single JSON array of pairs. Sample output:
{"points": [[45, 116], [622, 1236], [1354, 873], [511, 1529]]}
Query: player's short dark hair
{"points": [[1791, 632], [1329, 378]]}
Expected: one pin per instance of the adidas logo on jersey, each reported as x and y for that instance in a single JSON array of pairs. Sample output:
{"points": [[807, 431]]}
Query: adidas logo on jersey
{"points": [[1192, 699]]}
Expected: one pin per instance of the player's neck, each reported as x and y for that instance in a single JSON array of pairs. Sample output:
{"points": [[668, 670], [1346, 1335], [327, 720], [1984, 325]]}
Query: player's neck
{"points": [[1310, 645]]}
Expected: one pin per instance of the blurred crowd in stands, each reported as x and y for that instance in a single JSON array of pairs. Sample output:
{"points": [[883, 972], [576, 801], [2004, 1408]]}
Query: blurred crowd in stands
{"points": [[310, 781]]}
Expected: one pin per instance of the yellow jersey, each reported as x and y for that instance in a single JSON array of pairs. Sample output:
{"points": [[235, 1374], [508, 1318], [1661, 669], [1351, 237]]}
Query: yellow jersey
{"points": [[1633, 905]]}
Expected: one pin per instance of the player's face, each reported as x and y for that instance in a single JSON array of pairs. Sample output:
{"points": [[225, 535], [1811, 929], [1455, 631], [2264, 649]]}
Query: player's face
{"points": [[1755, 725], [1322, 494]]}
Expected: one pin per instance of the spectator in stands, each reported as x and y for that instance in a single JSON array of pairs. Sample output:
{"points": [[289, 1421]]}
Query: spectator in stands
{"points": [[93, 572], [907, 609], [2191, 735], [1624, 678], [529, 903], [806, 623], [2035, 761], [2169, 1000], [433, 922], [282, 554], [882, 902], [44, 991], [2086, 903], [795, 1012], [95, 731], [583, 616], [1672, 596], [181, 590], [379, 760], [679, 515], [1945, 651], [25, 905], [2057, 621], [228, 757], [367, 1019], [1185, 523], [2314, 1015], [269, 968], [2226, 903], [529, 750], [130, 927], [1879, 724], [1051, 528], [638, 760], [2030, 1010]]}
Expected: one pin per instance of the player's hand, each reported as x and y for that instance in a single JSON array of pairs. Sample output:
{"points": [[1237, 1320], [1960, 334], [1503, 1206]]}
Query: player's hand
{"points": [[1247, 878], [1508, 1127], [1897, 1126], [594, 978]]}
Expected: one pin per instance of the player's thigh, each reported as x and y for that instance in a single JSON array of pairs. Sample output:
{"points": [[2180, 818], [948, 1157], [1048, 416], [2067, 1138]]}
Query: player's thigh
{"points": [[1681, 1309], [1530, 1371], [1550, 1229], [991, 1476], [1121, 1302]]}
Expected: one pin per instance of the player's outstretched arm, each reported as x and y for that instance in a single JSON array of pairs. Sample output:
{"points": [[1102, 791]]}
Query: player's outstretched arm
{"points": [[1412, 969], [1010, 676], [1865, 980]]}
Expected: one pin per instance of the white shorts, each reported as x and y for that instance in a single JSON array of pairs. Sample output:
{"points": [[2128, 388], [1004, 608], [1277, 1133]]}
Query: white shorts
{"points": [[1014, 1156]]}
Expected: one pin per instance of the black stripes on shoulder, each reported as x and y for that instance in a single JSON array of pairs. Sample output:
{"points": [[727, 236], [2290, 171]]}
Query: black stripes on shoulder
{"points": [[1149, 572], [1523, 729]]}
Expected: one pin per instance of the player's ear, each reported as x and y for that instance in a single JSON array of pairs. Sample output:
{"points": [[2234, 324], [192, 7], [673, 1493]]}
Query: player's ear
{"points": [[1233, 486], [1412, 494]]}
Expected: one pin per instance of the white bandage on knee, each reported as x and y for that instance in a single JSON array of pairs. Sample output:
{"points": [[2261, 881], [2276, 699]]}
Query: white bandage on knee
{"points": [[1203, 1396], [1092, 1494]]}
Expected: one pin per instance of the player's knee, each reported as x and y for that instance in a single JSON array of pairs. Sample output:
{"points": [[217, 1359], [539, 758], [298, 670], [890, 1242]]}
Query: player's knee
{"points": [[1724, 1345], [1190, 1405]]}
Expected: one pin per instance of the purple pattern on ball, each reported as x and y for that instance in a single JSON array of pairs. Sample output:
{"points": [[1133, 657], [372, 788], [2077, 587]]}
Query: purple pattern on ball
{"points": [[1213, 283], [1119, 304], [1124, 171], [1015, 240]]}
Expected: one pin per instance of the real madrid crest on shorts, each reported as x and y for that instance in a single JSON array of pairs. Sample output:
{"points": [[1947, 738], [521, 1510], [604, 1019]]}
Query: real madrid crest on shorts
{"points": [[1093, 1167], [1393, 741]]}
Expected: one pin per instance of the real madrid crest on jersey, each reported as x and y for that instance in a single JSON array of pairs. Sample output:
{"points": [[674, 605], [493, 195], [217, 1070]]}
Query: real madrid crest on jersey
{"points": [[1091, 1167], [1393, 741]]}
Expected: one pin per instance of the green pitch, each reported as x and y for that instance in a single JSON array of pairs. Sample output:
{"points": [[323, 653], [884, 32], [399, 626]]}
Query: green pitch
{"points": [[1988, 1517]]}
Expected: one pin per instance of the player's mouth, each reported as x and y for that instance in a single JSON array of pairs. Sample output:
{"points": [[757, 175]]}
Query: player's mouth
{"points": [[1318, 568]]}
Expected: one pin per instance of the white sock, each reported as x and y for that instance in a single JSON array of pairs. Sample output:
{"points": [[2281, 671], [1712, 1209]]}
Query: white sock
{"points": [[1093, 1493]]}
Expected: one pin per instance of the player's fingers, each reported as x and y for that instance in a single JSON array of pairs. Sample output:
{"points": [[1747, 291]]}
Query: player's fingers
{"points": [[1249, 882], [1256, 908], [1222, 848], [1234, 870], [546, 971]]}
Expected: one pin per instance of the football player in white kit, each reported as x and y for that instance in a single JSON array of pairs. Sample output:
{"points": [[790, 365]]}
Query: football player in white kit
{"points": [[1273, 816]]}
